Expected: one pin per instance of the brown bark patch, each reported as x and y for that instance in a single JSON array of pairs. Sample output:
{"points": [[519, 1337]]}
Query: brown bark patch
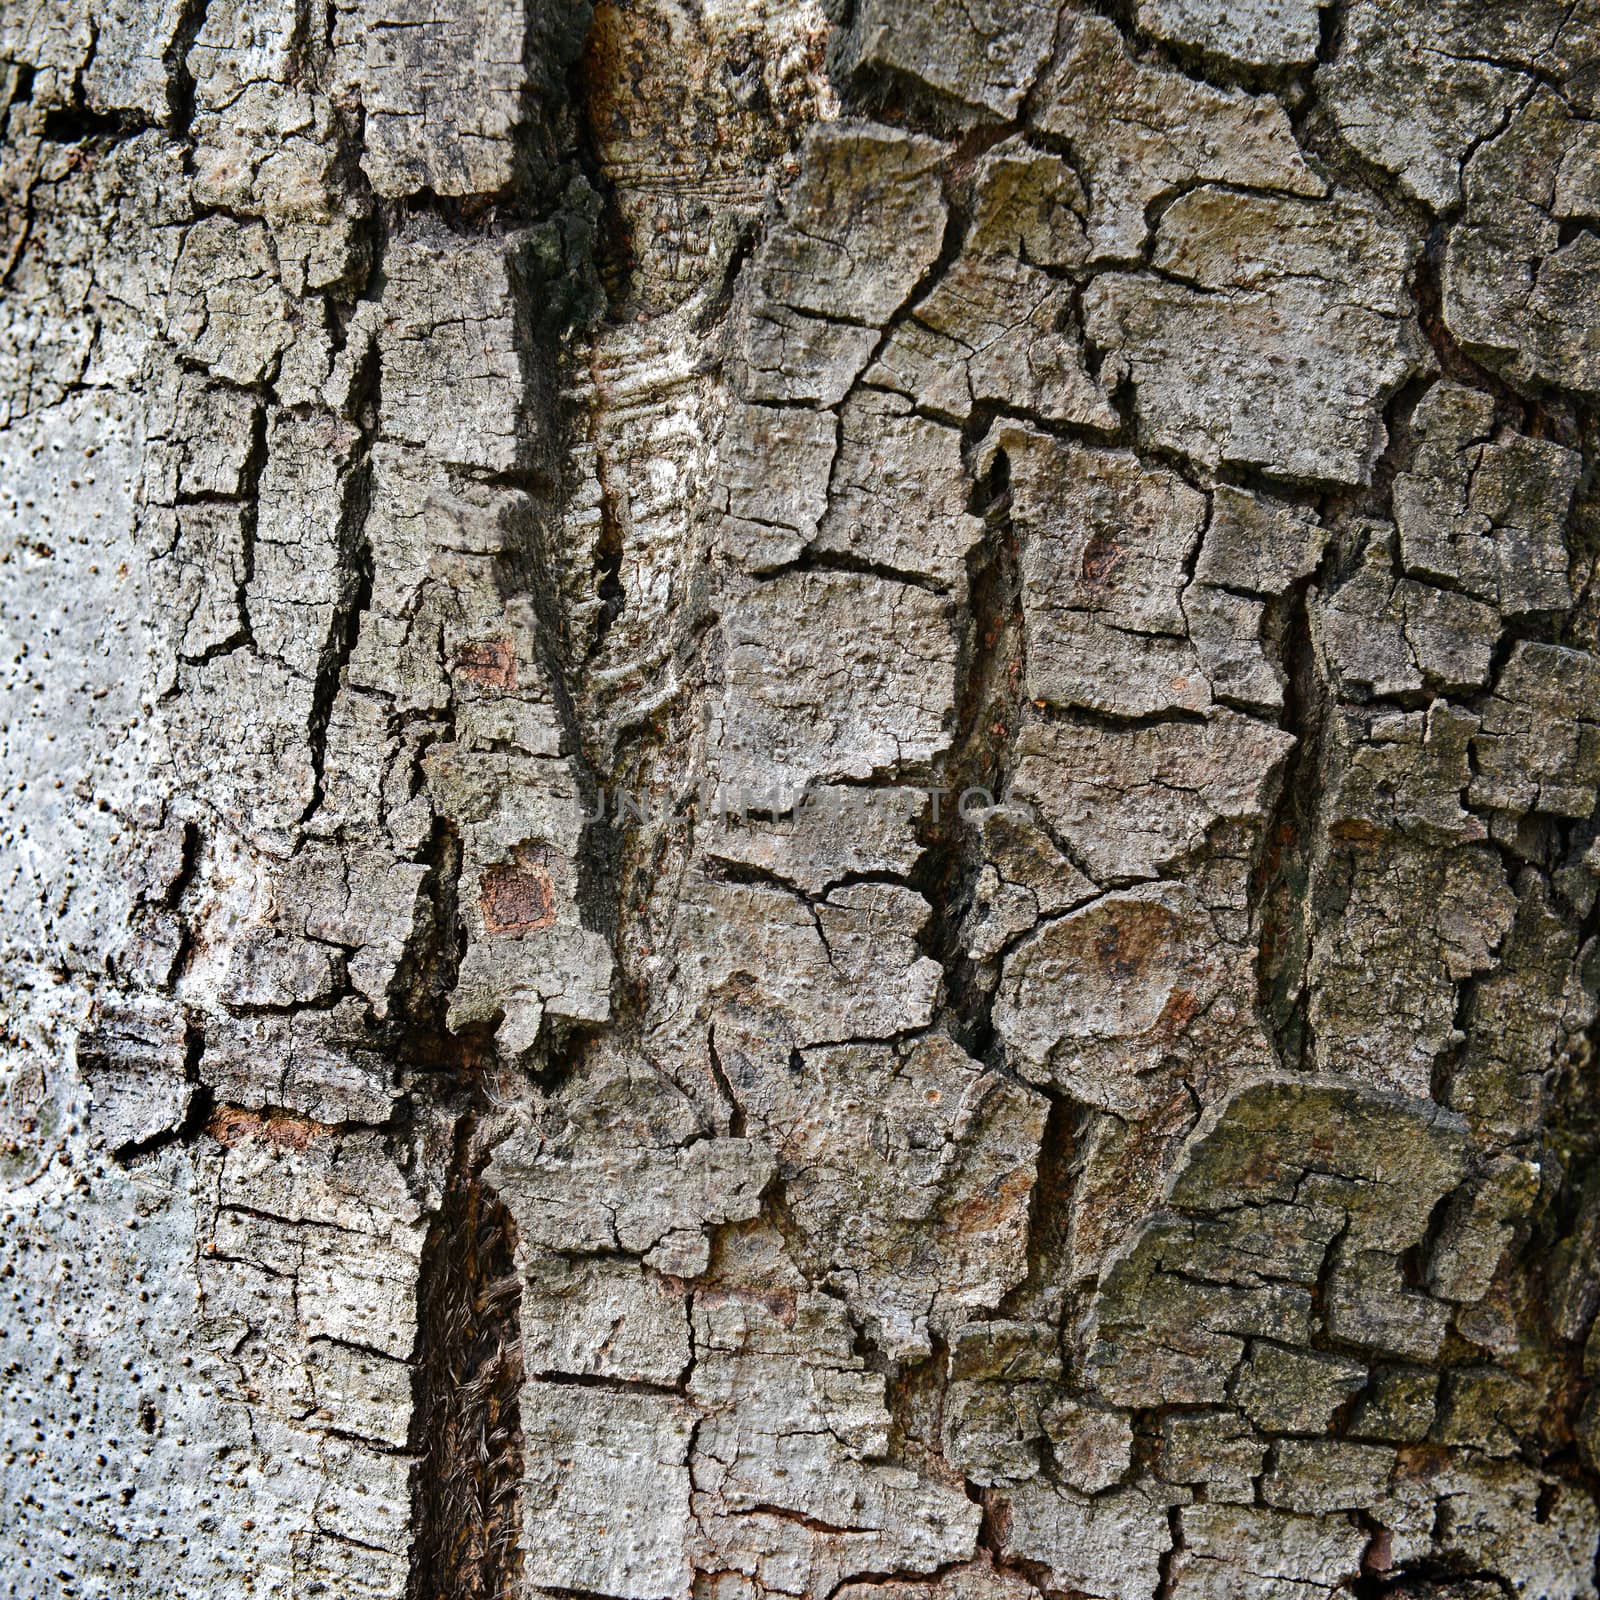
{"points": [[232, 1125], [490, 663], [517, 899]]}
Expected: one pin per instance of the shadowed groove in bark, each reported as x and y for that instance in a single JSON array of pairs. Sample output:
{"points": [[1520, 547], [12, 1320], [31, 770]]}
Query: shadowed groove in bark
{"points": [[467, 1426], [986, 722]]}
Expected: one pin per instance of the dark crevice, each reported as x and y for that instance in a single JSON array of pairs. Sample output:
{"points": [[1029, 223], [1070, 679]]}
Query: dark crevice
{"points": [[356, 567], [467, 1427], [180, 81], [987, 714], [1282, 874], [79, 125]]}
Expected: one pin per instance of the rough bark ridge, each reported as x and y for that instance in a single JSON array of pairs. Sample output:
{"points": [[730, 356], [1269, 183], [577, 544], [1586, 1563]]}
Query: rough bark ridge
{"points": [[1170, 1172]]}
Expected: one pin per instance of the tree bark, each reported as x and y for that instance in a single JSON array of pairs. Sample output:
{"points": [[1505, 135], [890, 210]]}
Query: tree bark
{"points": [[799, 802]]}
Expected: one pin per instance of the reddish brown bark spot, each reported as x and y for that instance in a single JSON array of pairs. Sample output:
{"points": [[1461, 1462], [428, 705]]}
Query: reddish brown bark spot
{"points": [[1182, 1006], [1101, 558], [1124, 946], [517, 900], [1353, 831], [489, 662], [233, 1125]]}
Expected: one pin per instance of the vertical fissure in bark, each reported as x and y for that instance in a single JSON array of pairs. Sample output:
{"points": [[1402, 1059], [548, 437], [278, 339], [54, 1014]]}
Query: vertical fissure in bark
{"points": [[467, 1425], [180, 81], [357, 569], [1286, 856], [974, 776]]}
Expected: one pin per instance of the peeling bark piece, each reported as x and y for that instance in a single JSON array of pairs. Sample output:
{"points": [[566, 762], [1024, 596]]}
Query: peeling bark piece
{"points": [[1538, 748], [1407, 101], [134, 1057], [877, 1148], [1369, 1304], [1010, 325], [212, 440], [1399, 1406], [1295, 1391], [1402, 773], [991, 1431], [127, 64], [1227, 1550], [984, 55], [450, 345], [1485, 515], [1260, 33], [820, 288], [1105, 543], [996, 327], [226, 309], [1086, 662], [1160, 1333], [817, 259], [1130, 802], [1228, 632], [791, 357], [1098, 999], [975, 1580], [833, 832], [605, 1491], [1487, 1410], [898, 496], [1574, 1284], [1541, 1533], [1000, 1350], [1256, 544], [1383, 978], [846, 967], [440, 114], [623, 1164], [787, 1487], [1418, 87], [777, 465], [1207, 343], [316, 1064], [212, 557], [240, 735], [1025, 877], [1514, 1018], [529, 954], [272, 971], [1142, 133], [1109, 1545], [1386, 636], [1478, 1227], [1517, 298], [1092, 1446], [1216, 1448], [1028, 205], [1326, 1474], [601, 1318], [302, 574], [829, 676], [1265, 1184]]}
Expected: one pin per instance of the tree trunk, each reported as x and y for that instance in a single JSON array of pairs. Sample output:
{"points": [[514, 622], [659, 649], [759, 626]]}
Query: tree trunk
{"points": [[798, 804]]}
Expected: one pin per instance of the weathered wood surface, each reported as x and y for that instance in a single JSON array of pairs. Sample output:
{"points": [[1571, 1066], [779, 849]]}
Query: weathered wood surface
{"points": [[1132, 1132]]}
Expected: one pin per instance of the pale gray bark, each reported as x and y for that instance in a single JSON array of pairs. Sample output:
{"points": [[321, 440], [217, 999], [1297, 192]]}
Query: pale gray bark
{"points": [[1132, 1132]]}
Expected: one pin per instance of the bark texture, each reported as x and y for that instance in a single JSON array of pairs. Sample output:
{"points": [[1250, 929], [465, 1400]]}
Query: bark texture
{"points": [[468, 467]]}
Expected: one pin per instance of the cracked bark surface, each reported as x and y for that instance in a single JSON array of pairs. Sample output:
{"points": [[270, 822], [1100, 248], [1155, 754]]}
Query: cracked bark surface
{"points": [[800, 800]]}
